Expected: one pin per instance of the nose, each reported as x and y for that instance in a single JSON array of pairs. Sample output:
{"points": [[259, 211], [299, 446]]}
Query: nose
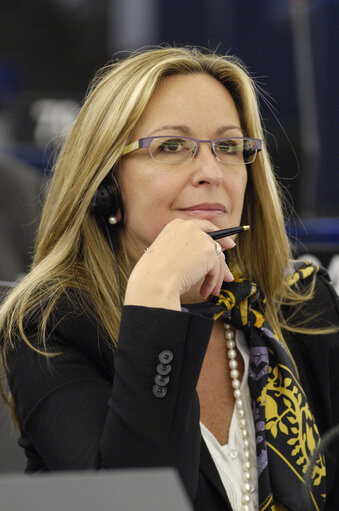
{"points": [[207, 169]]}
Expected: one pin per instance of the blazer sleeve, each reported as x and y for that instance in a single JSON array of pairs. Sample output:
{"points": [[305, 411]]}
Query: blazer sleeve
{"points": [[86, 407]]}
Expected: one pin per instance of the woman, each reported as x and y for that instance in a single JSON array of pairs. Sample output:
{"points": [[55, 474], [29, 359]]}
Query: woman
{"points": [[131, 342]]}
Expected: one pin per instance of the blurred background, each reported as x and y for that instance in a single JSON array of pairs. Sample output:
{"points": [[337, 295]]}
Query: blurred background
{"points": [[50, 49]]}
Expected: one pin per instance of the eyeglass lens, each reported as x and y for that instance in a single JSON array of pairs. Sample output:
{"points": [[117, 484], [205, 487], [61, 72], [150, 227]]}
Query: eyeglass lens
{"points": [[179, 149]]}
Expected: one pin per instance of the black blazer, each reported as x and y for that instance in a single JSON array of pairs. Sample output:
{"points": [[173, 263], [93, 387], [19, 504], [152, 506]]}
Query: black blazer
{"points": [[93, 407]]}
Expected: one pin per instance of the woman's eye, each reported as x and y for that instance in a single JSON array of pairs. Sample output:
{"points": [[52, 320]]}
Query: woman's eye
{"points": [[172, 145], [228, 146]]}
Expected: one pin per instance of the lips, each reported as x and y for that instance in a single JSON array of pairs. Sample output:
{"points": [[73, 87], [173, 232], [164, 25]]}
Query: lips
{"points": [[205, 210], [217, 207]]}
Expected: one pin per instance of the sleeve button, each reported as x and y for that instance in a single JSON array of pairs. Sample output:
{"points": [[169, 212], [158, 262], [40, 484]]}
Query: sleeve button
{"points": [[160, 380], [159, 392], [166, 357], [164, 369]]}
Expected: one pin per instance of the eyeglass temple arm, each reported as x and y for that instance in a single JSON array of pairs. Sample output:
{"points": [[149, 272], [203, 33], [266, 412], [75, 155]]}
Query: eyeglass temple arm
{"points": [[133, 146]]}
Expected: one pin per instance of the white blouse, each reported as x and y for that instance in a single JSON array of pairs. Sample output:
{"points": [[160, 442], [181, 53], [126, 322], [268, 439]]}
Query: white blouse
{"points": [[228, 458]]}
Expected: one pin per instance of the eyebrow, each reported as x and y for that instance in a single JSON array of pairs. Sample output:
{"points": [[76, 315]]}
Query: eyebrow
{"points": [[222, 130], [179, 127], [184, 129]]}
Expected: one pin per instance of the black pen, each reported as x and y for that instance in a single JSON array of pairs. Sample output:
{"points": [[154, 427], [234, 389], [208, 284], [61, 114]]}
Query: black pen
{"points": [[216, 235]]}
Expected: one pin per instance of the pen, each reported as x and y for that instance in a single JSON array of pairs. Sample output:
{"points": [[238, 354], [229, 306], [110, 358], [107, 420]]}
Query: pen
{"points": [[216, 235]]}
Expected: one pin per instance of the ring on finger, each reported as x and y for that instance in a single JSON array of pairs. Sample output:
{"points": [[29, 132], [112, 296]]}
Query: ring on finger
{"points": [[218, 248]]}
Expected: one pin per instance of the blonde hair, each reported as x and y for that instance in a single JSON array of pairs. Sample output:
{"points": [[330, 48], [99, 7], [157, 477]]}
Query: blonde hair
{"points": [[72, 252]]}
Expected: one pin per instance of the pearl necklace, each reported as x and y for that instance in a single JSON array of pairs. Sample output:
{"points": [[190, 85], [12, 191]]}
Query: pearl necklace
{"points": [[246, 463]]}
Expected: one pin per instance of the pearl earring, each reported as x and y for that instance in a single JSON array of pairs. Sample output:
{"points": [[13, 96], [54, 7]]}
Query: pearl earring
{"points": [[113, 220]]}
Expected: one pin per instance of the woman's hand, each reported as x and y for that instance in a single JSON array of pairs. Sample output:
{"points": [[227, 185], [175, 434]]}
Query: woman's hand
{"points": [[181, 259]]}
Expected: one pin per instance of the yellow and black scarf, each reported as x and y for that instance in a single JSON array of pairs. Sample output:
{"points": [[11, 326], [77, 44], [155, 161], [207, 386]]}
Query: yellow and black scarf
{"points": [[286, 432]]}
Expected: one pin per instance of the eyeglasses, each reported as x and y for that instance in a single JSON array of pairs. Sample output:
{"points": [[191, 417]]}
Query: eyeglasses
{"points": [[171, 149]]}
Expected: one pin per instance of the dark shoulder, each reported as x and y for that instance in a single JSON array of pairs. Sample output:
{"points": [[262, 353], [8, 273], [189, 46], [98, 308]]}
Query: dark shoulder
{"points": [[325, 302], [74, 319], [72, 324], [322, 310], [324, 282], [74, 312]]}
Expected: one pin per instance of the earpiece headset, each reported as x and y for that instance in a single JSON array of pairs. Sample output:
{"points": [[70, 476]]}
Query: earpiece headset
{"points": [[107, 200], [105, 204]]}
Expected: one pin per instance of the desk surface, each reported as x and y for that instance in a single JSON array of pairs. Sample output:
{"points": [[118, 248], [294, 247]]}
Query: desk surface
{"points": [[123, 490]]}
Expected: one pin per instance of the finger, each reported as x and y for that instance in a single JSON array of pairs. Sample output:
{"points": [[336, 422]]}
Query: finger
{"points": [[209, 283], [227, 243], [228, 276], [225, 275], [216, 290], [214, 279]]}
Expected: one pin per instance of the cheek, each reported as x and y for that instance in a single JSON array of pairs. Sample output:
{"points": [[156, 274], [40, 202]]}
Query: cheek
{"points": [[236, 188], [243, 187], [146, 197]]}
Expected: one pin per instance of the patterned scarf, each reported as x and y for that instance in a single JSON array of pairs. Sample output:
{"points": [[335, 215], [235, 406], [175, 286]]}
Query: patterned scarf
{"points": [[286, 432]]}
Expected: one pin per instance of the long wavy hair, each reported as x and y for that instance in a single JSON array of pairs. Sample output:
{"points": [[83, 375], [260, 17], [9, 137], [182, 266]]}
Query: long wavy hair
{"points": [[72, 252]]}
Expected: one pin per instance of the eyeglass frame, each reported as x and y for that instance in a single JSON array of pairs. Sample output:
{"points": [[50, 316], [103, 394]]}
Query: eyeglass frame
{"points": [[145, 143]]}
